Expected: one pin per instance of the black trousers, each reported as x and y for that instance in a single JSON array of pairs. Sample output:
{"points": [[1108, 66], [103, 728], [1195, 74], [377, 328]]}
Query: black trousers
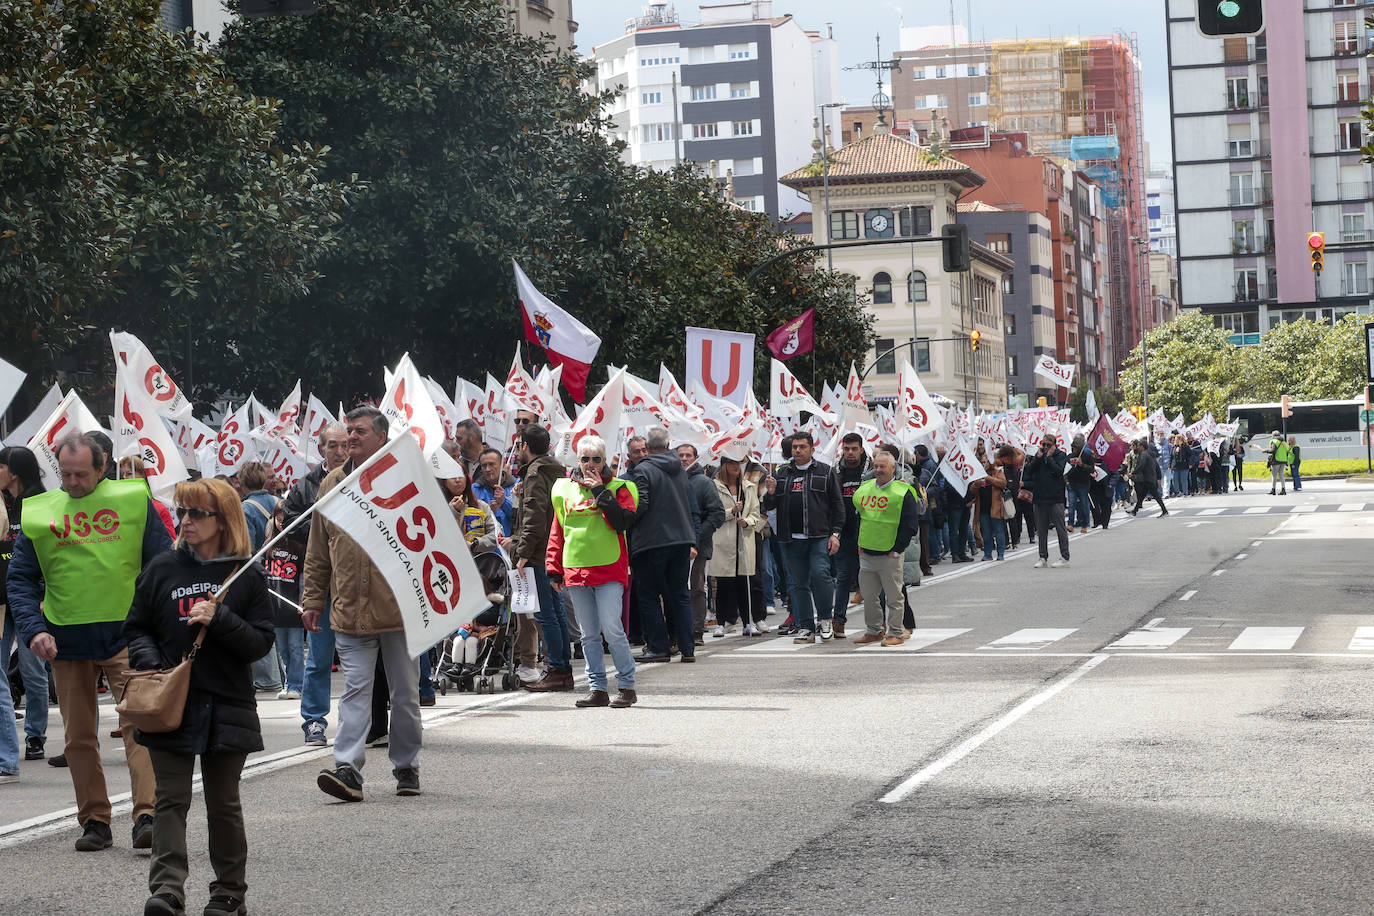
{"points": [[737, 598], [167, 872], [1143, 490]]}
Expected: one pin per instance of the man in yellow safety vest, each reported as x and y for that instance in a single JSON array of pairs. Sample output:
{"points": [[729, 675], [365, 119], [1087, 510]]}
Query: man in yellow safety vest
{"points": [[887, 522]]}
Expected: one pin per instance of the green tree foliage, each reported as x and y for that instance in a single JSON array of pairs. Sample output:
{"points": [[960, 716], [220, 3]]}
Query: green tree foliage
{"points": [[1108, 402], [478, 145], [1194, 368], [140, 188]]}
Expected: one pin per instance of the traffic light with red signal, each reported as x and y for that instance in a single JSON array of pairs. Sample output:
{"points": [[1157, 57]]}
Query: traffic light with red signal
{"points": [[1316, 245]]}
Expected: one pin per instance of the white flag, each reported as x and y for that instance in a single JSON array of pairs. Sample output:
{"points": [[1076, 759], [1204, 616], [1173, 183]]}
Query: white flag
{"points": [[392, 506], [447, 410], [70, 416], [521, 391], [917, 413], [1061, 375], [11, 380], [855, 406], [139, 432], [1091, 407], [961, 466], [408, 408], [789, 397], [600, 417], [147, 375], [231, 445], [22, 433]]}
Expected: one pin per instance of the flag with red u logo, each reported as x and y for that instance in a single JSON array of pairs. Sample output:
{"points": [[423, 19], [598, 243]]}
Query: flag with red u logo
{"points": [[720, 363]]}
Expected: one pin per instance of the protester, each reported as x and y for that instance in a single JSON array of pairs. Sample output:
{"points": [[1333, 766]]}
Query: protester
{"points": [[319, 641], [988, 508], [1079, 477], [1145, 477], [707, 518], [661, 545], [927, 470], [468, 436], [734, 556], [888, 520], [1012, 462], [1237, 451], [1178, 467], [257, 502], [132, 468], [284, 564], [367, 625], [20, 480], [70, 593], [1278, 454], [587, 558], [493, 488], [1044, 477], [851, 471], [176, 596], [475, 517], [529, 544], [810, 517]]}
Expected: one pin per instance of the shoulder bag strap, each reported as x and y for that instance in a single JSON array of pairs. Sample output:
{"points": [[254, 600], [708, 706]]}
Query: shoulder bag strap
{"points": [[219, 597]]}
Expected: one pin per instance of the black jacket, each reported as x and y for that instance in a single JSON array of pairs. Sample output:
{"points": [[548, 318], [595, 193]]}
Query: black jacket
{"points": [[1081, 474], [664, 518], [300, 498], [221, 712], [1146, 468], [823, 510], [1044, 477], [14, 507], [708, 513], [850, 480]]}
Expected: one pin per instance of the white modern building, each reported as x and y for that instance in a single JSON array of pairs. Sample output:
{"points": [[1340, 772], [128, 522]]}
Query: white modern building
{"points": [[738, 92], [1260, 162], [1159, 203]]}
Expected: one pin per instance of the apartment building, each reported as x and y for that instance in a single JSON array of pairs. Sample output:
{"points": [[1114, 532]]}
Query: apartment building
{"points": [[1162, 211], [740, 93], [1259, 163], [544, 17]]}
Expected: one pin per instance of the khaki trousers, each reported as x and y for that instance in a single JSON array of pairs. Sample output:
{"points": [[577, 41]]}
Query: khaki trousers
{"points": [[881, 573], [76, 697]]}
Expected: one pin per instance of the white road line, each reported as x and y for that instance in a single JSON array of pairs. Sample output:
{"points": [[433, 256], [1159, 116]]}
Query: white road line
{"points": [[1241, 556], [1303, 508], [1363, 641], [785, 644], [1255, 544], [1218, 572], [1211, 511], [1153, 623], [1256, 510], [968, 746], [1351, 507], [1030, 638], [1188, 595], [1272, 638], [919, 639], [1161, 638]]}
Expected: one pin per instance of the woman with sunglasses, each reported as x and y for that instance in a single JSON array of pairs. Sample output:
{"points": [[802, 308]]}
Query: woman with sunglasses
{"points": [[174, 600], [587, 558]]}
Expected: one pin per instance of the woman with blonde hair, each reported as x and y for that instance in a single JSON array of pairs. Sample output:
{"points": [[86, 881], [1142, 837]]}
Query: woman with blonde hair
{"points": [[734, 558], [177, 596]]}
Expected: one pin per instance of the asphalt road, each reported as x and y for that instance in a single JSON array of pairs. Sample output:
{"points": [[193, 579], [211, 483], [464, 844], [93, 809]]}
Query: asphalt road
{"points": [[1173, 723]]}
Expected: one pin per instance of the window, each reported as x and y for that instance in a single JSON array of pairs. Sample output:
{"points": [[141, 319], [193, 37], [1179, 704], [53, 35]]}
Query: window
{"points": [[858, 129], [1348, 86], [1235, 49], [1352, 227], [1347, 38], [651, 98], [887, 360], [1011, 324], [942, 101], [913, 222], [916, 286], [844, 224], [1238, 322], [1243, 236], [705, 131], [1247, 285], [975, 99], [1242, 189], [739, 90], [1008, 285], [1238, 149], [655, 133], [1237, 92], [882, 289], [743, 128], [703, 93], [741, 52], [923, 355], [748, 203], [919, 73], [999, 242], [1355, 278], [745, 167], [1350, 135], [1011, 364], [972, 69], [939, 73]]}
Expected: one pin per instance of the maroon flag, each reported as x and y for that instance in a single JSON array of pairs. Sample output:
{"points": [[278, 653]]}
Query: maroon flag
{"points": [[1109, 448], [794, 338]]}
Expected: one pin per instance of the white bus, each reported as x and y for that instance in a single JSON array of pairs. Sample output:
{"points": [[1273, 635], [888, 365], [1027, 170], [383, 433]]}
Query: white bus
{"points": [[1324, 429]]}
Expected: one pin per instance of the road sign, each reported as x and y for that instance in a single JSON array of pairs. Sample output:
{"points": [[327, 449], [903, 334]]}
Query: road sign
{"points": [[1367, 416]]}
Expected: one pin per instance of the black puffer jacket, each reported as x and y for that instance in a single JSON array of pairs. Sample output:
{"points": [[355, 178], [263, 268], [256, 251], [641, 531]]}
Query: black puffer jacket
{"points": [[664, 518], [221, 712], [301, 497]]}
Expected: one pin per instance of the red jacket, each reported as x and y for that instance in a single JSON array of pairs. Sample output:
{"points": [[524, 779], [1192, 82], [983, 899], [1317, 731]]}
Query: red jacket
{"points": [[590, 576]]}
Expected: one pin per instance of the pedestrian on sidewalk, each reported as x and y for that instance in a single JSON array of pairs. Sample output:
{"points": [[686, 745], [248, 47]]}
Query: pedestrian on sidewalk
{"points": [[70, 590], [1237, 452], [528, 544], [171, 606], [1044, 477], [588, 561], [1295, 451], [661, 544], [1277, 455], [851, 471]]}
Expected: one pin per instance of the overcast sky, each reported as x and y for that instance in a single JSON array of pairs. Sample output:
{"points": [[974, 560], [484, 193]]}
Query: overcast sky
{"points": [[856, 22]]}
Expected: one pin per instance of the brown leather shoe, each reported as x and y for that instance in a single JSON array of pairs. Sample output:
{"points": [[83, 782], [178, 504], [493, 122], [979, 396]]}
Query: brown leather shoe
{"points": [[594, 698], [624, 698], [893, 641], [868, 638], [552, 681], [837, 630]]}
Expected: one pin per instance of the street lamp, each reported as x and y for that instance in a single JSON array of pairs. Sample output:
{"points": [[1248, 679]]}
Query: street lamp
{"points": [[825, 172], [1142, 246]]}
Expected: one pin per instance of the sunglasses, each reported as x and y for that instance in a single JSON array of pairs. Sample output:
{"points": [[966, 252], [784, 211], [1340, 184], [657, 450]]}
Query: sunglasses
{"points": [[195, 514], [591, 459], [522, 421]]}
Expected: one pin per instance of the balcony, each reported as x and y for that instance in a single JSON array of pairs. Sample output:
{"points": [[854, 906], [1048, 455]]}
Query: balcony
{"points": [[1241, 247], [1246, 149], [1340, 94], [1251, 292], [1339, 47], [1243, 197], [1342, 190]]}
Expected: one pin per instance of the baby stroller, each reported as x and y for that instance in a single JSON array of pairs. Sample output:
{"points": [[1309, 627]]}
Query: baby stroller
{"points": [[473, 664]]}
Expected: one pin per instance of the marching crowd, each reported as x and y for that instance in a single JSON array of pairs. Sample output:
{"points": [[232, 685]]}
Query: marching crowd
{"points": [[649, 549]]}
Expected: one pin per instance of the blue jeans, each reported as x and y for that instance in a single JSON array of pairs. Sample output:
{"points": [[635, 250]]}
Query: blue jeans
{"points": [[813, 591], [939, 540], [661, 585], [267, 671], [994, 535], [9, 730], [553, 622], [960, 542], [291, 651], [598, 614], [1080, 508], [34, 672], [766, 572], [1178, 481], [846, 564], [426, 677], [1292, 470], [778, 564], [319, 662]]}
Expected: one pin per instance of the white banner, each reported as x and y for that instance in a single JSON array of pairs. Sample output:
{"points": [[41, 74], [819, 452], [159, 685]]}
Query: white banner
{"points": [[231, 445], [408, 408], [917, 413], [11, 380], [22, 433], [720, 363], [139, 432], [394, 509], [70, 416], [961, 466], [1061, 375], [148, 376], [789, 397]]}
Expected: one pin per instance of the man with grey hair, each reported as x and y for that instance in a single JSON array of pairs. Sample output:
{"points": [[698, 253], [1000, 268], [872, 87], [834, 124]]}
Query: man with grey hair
{"points": [[468, 437], [661, 550]]}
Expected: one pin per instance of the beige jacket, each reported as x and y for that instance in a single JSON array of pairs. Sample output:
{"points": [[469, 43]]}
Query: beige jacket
{"points": [[361, 602], [726, 540]]}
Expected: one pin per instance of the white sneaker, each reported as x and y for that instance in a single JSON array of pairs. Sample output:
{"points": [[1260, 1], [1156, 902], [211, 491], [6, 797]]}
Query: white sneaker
{"points": [[1041, 564], [760, 628], [8, 777], [772, 610], [751, 629], [285, 695], [826, 630], [717, 632], [804, 636], [1059, 564], [527, 674]]}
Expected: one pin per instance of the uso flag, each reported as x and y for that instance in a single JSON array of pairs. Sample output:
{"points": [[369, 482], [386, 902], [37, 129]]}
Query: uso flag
{"points": [[568, 342], [392, 506], [795, 337]]}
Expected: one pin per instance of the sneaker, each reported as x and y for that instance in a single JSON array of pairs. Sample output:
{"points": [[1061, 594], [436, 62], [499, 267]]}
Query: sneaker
{"points": [[1041, 563], [343, 783], [8, 777], [751, 629], [94, 836], [428, 701], [33, 748], [289, 694], [381, 740], [1059, 564], [528, 675], [143, 832], [827, 629], [314, 734], [407, 780], [59, 761], [805, 636], [772, 609], [760, 628], [718, 632], [839, 629]]}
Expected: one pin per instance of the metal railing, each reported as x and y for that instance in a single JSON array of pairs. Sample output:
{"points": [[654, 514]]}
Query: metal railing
{"points": [[1251, 292], [1339, 47], [1244, 197]]}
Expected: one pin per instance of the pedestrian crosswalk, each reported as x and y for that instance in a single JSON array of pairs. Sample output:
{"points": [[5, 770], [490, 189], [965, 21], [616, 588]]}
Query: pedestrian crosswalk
{"points": [[1278, 508], [1152, 638]]}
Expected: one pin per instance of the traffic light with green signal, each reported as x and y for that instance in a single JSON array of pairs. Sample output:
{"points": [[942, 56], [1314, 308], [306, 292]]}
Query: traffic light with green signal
{"points": [[1227, 18]]}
